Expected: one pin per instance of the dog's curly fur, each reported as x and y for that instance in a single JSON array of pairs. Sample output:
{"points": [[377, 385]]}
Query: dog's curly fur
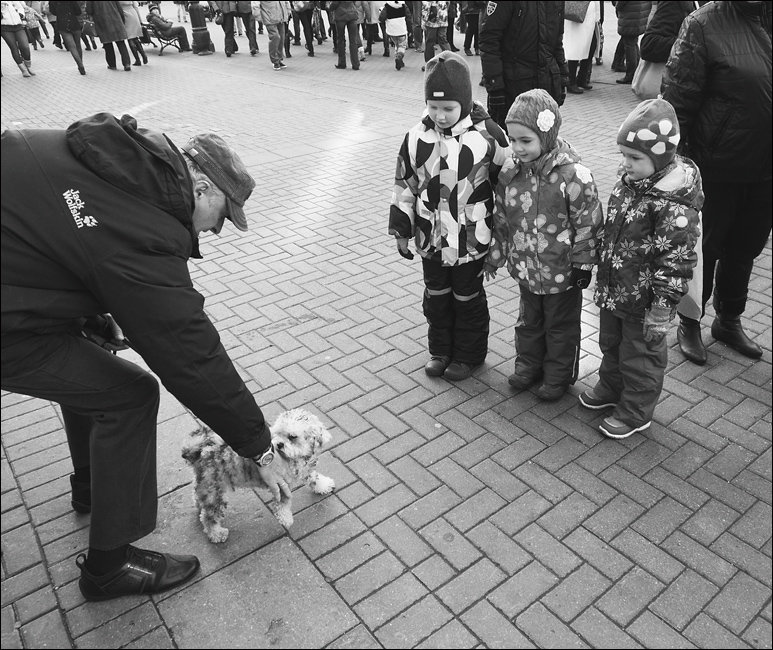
{"points": [[297, 436]]}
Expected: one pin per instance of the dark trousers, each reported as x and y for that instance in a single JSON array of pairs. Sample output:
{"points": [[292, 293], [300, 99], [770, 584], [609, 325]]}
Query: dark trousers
{"points": [[110, 54], [632, 369], [228, 26], [627, 54], [308, 32], [547, 336], [342, 29], [456, 309], [471, 31], [72, 41], [736, 225], [434, 36], [109, 406]]}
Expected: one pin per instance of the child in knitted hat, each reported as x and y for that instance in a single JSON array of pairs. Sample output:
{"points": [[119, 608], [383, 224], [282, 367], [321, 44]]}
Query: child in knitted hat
{"points": [[547, 218], [443, 197], [647, 255]]}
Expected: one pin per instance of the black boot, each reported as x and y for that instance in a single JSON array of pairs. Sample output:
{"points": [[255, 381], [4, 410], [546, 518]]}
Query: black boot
{"points": [[729, 330], [689, 336]]}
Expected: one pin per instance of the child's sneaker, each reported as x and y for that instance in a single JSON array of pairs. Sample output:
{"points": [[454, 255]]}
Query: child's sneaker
{"points": [[437, 365], [613, 428], [590, 400], [277, 66], [399, 63]]}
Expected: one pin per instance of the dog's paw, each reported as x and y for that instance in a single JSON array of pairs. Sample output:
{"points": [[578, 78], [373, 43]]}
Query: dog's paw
{"points": [[217, 534], [284, 515], [323, 485]]}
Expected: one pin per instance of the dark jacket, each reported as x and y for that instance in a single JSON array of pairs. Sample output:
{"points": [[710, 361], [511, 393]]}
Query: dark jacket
{"points": [[99, 219], [108, 20], [67, 15], [632, 17], [718, 80], [663, 29], [523, 41]]}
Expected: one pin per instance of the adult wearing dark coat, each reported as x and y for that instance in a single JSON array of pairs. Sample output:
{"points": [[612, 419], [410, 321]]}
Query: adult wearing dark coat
{"points": [[109, 22], [662, 30], [718, 79], [102, 218], [521, 48], [631, 22]]}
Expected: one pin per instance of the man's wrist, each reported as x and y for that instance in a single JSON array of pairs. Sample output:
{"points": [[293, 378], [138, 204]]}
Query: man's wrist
{"points": [[266, 458]]}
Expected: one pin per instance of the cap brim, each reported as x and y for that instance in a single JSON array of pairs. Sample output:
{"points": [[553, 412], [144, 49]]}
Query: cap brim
{"points": [[236, 215]]}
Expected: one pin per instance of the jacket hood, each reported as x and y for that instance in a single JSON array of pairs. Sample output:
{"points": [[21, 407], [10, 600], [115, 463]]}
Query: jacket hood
{"points": [[142, 162], [562, 154], [680, 181], [477, 114]]}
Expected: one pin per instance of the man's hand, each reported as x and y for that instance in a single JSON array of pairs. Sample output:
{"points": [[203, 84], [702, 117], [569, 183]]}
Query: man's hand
{"points": [[497, 106], [657, 321], [275, 483], [402, 247], [105, 332], [562, 99]]}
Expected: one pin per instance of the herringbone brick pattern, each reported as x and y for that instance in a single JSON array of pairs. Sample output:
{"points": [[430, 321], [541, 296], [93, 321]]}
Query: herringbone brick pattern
{"points": [[464, 515]]}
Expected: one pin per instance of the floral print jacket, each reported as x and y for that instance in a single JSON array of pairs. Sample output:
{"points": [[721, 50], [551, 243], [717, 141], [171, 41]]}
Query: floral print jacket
{"points": [[648, 247], [547, 219], [443, 195]]}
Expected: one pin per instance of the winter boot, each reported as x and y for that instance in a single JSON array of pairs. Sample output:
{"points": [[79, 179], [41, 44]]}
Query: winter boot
{"points": [[728, 329], [689, 336]]}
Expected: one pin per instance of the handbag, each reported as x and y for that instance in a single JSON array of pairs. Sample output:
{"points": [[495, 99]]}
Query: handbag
{"points": [[575, 10], [647, 79], [219, 18]]}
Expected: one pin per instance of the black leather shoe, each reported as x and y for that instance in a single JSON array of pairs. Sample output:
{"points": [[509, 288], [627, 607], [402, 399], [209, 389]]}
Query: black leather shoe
{"points": [[624, 80], [142, 572], [81, 495], [689, 336], [730, 332], [574, 90]]}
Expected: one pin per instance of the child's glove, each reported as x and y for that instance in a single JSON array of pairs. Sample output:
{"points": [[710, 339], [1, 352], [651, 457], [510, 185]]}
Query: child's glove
{"points": [[497, 106], [657, 320], [402, 247], [579, 278], [489, 270]]}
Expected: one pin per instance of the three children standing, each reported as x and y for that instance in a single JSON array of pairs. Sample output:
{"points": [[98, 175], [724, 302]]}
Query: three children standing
{"points": [[472, 206]]}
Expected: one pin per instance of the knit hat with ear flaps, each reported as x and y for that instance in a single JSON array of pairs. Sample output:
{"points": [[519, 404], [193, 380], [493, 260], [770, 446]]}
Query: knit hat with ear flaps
{"points": [[653, 129], [447, 78], [538, 111]]}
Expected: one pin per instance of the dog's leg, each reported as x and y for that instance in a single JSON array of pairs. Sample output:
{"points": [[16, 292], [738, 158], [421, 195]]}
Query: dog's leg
{"points": [[212, 507], [320, 484]]}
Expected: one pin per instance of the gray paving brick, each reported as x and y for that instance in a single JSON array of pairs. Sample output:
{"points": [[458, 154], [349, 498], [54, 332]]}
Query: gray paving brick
{"points": [[47, 631], [414, 624], [350, 555], [499, 479], [518, 452], [598, 553], [567, 515], [543, 482], [676, 488], [493, 629], [521, 512], [628, 484], [450, 543], [402, 541], [601, 632], [576, 592], [522, 589], [384, 505], [434, 571], [451, 635], [755, 525], [759, 634], [471, 585], [547, 630], [429, 507], [547, 550], [456, 477], [647, 555], [629, 596], [586, 484], [684, 599], [747, 558], [358, 637], [709, 522], [698, 558], [156, 639], [369, 577], [414, 475], [613, 517], [707, 633], [654, 633], [390, 600], [661, 520]]}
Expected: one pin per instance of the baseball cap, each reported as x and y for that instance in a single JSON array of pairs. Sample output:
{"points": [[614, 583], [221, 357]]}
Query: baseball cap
{"points": [[226, 170]]}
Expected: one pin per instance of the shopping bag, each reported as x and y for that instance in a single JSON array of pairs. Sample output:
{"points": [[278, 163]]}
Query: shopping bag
{"points": [[647, 79]]}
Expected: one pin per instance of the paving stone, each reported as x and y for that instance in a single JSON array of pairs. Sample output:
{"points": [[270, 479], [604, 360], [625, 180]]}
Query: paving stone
{"points": [[707, 633], [547, 550], [628, 484], [471, 585], [601, 632], [629, 596], [434, 571], [451, 635], [402, 541], [493, 629], [654, 633], [47, 631], [576, 592], [614, 517], [414, 624], [522, 589], [709, 522], [755, 525], [369, 577], [390, 600], [359, 637], [698, 558], [661, 520], [456, 477], [414, 475], [647, 555], [683, 599], [450, 543], [567, 515], [157, 639], [350, 555]]}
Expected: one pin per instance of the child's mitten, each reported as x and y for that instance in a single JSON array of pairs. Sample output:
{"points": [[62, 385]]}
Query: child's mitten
{"points": [[657, 320]]}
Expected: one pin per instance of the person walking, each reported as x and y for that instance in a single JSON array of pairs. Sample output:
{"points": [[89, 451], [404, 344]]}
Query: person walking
{"points": [[12, 28], [109, 24], [345, 16], [133, 23], [68, 20], [274, 16], [632, 16]]}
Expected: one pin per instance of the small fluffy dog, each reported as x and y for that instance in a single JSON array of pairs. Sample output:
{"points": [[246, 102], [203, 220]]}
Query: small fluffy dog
{"points": [[297, 437]]}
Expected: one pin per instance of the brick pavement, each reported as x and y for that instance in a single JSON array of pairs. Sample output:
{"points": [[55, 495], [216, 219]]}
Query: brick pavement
{"points": [[464, 515]]}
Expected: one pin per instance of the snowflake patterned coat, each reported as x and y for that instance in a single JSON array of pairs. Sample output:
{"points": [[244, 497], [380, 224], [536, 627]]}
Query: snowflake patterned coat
{"points": [[547, 219], [443, 195], [648, 247]]}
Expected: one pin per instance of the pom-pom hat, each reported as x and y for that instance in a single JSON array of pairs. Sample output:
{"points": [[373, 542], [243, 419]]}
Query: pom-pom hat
{"points": [[538, 111], [447, 78], [653, 129]]}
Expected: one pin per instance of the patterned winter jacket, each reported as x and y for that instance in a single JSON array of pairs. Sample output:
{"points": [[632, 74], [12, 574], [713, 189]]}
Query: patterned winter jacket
{"points": [[443, 195], [648, 247], [547, 219], [434, 14]]}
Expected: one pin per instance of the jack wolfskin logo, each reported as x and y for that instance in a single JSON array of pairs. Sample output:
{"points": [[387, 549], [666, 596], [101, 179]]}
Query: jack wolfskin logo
{"points": [[75, 204], [491, 7]]}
